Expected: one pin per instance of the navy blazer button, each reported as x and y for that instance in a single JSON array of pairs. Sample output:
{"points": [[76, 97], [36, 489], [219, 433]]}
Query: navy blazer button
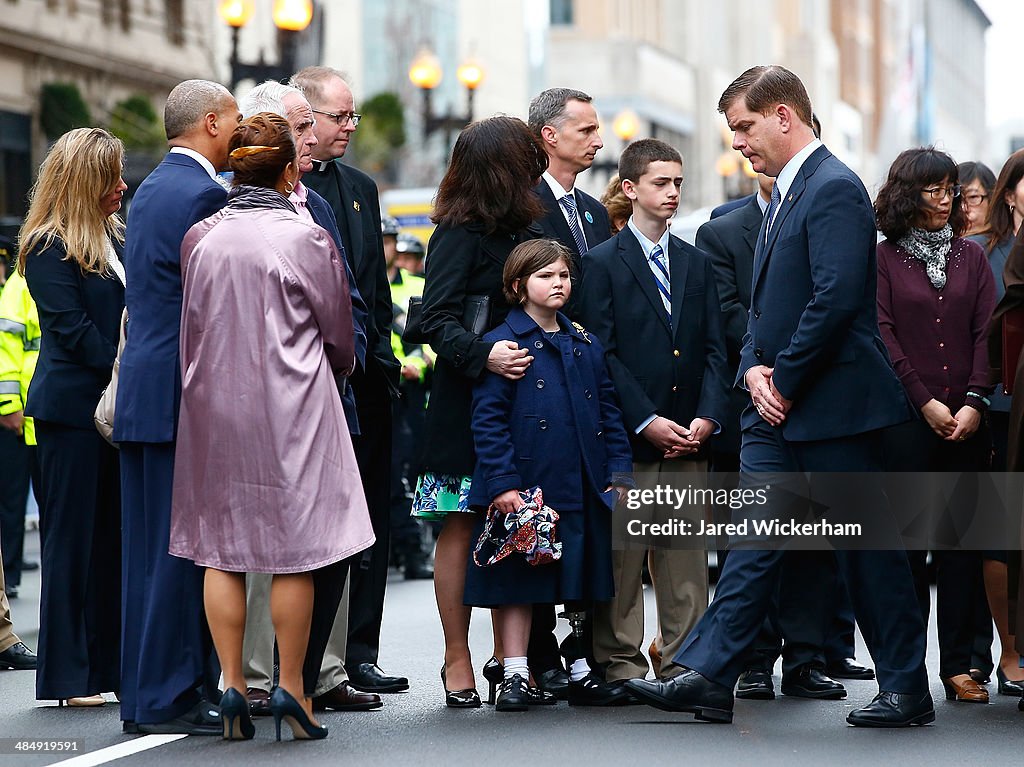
{"points": [[540, 383], [587, 394], [675, 388], [577, 352], [759, 353], [542, 424], [757, 314], [538, 344], [675, 352], [600, 434]]}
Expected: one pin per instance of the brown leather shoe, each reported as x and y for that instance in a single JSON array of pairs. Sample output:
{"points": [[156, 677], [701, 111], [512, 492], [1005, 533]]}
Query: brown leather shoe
{"points": [[655, 654], [259, 701], [965, 692], [346, 698]]}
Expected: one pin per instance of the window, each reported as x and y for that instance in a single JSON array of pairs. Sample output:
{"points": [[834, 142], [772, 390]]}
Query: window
{"points": [[561, 13], [175, 14], [126, 15]]}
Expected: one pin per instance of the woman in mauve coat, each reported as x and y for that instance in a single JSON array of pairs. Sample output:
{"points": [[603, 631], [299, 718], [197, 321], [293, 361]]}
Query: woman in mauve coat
{"points": [[265, 476]]}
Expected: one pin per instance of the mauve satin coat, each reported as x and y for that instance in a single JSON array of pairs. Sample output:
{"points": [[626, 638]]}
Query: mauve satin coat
{"points": [[265, 478]]}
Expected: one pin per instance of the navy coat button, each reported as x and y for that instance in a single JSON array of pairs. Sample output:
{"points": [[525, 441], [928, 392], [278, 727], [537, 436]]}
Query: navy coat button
{"points": [[540, 383], [675, 352], [577, 352], [757, 314], [587, 394], [600, 434], [759, 353], [538, 344], [542, 424]]}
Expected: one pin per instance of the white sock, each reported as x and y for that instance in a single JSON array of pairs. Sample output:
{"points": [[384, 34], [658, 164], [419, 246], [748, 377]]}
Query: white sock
{"points": [[517, 665], [580, 668]]}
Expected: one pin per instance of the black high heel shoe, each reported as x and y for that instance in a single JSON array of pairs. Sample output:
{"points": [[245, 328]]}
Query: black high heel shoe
{"points": [[468, 698], [513, 695], [494, 673], [1008, 686], [284, 706], [234, 715]]}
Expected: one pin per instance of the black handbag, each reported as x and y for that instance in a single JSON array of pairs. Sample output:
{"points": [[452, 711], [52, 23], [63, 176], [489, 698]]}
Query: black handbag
{"points": [[476, 317]]}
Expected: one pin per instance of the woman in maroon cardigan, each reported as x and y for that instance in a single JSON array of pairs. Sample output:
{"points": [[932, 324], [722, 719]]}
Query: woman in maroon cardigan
{"points": [[936, 295]]}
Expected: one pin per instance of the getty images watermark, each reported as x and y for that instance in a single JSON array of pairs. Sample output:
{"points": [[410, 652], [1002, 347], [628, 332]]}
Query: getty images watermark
{"points": [[818, 511]]}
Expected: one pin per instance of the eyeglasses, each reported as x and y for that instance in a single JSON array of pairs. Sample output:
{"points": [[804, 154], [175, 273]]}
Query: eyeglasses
{"points": [[342, 119], [939, 192], [975, 199]]}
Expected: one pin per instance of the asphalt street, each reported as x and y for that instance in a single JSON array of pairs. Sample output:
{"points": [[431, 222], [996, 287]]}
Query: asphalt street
{"points": [[415, 728]]}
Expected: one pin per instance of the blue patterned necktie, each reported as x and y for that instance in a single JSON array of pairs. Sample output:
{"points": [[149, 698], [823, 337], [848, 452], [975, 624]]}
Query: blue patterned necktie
{"points": [[773, 206], [660, 271], [569, 203]]}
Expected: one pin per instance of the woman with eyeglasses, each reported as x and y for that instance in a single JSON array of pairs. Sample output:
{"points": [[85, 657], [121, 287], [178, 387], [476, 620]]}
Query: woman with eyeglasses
{"points": [[936, 295], [1002, 224], [976, 182]]}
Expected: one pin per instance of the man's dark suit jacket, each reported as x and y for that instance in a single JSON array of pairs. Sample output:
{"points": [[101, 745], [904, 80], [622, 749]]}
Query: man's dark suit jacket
{"points": [[729, 240], [729, 207], [678, 371], [353, 197], [596, 229], [813, 314], [176, 195]]}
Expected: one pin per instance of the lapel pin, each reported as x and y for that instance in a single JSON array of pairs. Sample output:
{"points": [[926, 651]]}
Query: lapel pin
{"points": [[355, 205], [586, 215], [791, 198]]}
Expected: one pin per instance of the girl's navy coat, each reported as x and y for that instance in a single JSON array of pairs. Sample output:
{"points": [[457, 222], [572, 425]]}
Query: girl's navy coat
{"points": [[559, 427]]}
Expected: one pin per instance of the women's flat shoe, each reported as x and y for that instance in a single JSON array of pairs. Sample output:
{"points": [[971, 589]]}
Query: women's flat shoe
{"points": [[86, 701], [513, 695], [965, 692]]}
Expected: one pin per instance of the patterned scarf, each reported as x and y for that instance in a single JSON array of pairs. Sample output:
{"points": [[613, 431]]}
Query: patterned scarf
{"points": [[931, 248], [246, 197]]}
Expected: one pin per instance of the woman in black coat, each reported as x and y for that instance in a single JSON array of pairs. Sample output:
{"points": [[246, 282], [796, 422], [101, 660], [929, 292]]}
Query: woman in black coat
{"points": [[69, 256], [485, 206]]}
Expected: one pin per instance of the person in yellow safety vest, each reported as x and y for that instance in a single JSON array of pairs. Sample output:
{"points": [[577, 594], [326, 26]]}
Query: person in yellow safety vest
{"points": [[407, 534], [19, 349]]}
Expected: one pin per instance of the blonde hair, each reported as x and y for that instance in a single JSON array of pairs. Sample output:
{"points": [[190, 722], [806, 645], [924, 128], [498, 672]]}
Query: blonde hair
{"points": [[81, 167]]}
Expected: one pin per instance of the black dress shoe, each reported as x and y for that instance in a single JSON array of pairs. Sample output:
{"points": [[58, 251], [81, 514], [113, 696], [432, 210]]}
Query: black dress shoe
{"points": [[129, 728], [689, 692], [554, 681], [259, 701], [513, 695], [419, 572], [18, 657], [848, 668], [894, 709], [202, 719], [27, 566], [11, 592], [809, 681], [591, 691], [345, 698], [367, 677], [755, 684]]}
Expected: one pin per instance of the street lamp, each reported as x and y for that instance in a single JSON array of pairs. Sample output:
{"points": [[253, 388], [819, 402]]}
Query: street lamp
{"points": [[290, 18], [426, 74], [625, 125]]}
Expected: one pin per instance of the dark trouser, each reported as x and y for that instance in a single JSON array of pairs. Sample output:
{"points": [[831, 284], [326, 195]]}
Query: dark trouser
{"points": [[406, 533], [166, 645], [542, 651], [370, 569], [880, 582], [17, 465], [328, 588], [79, 620], [914, 447]]}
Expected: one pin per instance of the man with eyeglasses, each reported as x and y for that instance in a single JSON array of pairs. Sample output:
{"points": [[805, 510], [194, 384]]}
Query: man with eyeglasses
{"points": [[353, 196]]}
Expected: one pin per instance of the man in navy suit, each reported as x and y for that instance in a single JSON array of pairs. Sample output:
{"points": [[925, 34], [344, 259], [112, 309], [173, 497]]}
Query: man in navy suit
{"points": [[165, 641], [565, 123], [354, 198], [821, 388]]}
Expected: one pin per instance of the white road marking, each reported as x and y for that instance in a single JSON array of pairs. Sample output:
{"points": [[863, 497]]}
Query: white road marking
{"points": [[119, 751]]}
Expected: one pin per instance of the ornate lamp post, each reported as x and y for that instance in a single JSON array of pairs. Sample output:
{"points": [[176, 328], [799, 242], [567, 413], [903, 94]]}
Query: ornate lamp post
{"points": [[426, 74], [290, 18], [625, 125]]}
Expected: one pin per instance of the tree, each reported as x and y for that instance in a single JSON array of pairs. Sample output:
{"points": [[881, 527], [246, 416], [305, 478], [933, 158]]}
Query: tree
{"points": [[135, 122], [381, 135], [62, 108]]}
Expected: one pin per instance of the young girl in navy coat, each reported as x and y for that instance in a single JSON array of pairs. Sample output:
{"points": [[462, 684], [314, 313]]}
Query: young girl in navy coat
{"points": [[558, 427]]}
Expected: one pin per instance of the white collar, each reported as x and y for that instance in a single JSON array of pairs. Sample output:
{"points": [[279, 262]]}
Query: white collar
{"points": [[762, 203], [556, 187], [648, 245], [788, 174], [206, 164]]}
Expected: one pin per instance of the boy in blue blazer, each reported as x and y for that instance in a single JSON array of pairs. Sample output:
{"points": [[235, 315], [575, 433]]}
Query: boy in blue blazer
{"points": [[651, 300]]}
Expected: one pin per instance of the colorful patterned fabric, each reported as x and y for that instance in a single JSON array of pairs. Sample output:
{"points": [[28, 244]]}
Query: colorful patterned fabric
{"points": [[530, 531], [437, 495]]}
